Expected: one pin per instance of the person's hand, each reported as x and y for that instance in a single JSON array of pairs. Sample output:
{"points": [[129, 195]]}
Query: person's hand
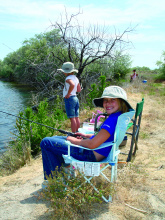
{"points": [[67, 96], [79, 137], [71, 139], [80, 134]]}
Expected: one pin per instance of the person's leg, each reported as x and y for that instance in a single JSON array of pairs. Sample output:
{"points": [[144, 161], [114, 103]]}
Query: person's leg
{"points": [[77, 115], [52, 150], [82, 154], [73, 124], [77, 123], [72, 110]]}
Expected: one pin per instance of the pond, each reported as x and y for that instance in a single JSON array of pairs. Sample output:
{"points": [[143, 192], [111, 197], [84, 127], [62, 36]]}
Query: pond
{"points": [[13, 99]]}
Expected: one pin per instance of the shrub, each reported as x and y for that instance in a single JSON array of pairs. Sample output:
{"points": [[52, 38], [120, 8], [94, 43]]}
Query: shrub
{"points": [[69, 201], [96, 91], [32, 129]]}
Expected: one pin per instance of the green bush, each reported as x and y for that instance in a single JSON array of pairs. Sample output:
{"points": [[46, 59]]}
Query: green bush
{"points": [[72, 198], [96, 90], [35, 132]]}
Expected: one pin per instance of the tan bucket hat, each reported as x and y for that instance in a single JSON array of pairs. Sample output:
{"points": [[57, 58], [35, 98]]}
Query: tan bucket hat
{"points": [[112, 92], [68, 67]]}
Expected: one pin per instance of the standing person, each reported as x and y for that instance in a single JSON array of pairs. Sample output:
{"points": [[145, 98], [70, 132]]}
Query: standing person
{"points": [[71, 86], [114, 102], [134, 75]]}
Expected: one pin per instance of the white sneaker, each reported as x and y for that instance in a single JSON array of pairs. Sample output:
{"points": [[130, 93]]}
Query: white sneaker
{"points": [[45, 185], [70, 171]]}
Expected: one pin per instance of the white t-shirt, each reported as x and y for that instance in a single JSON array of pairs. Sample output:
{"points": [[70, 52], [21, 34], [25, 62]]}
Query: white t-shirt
{"points": [[134, 76], [67, 85]]}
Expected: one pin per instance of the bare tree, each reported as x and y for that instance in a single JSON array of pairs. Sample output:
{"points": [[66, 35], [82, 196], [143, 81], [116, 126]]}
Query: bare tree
{"points": [[88, 45], [83, 46]]}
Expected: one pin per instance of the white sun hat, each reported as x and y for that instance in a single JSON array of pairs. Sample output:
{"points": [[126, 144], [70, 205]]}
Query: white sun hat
{"points": [[112, 92], [68, 67]]}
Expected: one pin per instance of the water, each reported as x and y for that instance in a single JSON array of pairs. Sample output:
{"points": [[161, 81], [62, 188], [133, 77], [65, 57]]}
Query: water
{"points": [[13, 98]]}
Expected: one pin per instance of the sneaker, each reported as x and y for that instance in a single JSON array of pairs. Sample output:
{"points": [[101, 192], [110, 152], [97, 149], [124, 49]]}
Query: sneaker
{"points": [[73, 172], [45, 185], [70, 171]]}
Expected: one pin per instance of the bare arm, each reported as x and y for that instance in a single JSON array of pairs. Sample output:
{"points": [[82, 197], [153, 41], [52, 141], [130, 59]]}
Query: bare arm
{"points": [[71, 87], [80, 135], [99, 139], [78, 88]]}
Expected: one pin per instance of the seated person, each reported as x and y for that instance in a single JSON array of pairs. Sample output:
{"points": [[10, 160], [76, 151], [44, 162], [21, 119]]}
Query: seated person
{"points": [[114, 102]]}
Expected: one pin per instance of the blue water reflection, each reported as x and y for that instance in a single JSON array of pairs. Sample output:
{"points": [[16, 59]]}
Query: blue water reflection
{"points": [[13, 99]]}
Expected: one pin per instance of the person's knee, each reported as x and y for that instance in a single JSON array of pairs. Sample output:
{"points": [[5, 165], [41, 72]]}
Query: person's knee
{"points": [[44, 142], [72, 119]]}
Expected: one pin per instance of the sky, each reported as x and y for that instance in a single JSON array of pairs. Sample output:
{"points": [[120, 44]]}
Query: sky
{"points": [[23, 19]]}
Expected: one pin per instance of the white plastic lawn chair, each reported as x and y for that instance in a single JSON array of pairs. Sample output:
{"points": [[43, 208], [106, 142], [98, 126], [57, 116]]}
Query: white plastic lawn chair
{"points": [[91, 169]]}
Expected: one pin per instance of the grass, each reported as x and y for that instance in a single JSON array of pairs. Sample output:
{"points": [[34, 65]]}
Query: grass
{"points": [[15, 157], [144, 135]]}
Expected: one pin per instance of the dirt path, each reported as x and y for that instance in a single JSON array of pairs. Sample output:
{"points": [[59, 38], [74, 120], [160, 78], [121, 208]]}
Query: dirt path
{"points": [[19, 193], [140, 188]]}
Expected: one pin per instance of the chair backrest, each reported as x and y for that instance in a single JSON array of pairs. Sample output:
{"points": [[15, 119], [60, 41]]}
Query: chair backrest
{"points": [[121, 127], [135, 131], [139, 108]]}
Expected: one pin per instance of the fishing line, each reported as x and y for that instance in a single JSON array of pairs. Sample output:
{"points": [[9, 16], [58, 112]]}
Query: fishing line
{"points": [[60, 130]]}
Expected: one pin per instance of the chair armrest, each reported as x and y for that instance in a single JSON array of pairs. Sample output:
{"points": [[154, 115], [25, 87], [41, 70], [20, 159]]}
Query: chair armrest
{"points": [[69, 143], [107, 144]]}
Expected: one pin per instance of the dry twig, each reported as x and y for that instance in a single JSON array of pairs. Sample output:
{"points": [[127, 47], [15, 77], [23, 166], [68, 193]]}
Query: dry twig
{"points": [[139, 210]]}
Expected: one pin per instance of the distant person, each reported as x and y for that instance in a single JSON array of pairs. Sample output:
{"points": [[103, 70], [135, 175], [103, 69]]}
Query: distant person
{"points": [[134, 75], [71, 86]]}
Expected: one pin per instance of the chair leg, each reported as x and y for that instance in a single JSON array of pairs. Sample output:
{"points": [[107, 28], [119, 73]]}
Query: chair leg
{"points": [[133, 148], [116, 165], [136, 148], [103, 197], [113, 173], [88, 180], [130, 152]]}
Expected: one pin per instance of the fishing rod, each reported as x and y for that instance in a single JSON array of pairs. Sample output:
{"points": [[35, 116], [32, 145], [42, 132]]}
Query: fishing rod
{"points": [[60, 130]]}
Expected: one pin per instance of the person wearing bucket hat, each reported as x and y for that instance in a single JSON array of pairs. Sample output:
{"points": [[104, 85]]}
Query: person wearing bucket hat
{"points": [[112, 92], [114, 101], [68, 67], [71, 86]]}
